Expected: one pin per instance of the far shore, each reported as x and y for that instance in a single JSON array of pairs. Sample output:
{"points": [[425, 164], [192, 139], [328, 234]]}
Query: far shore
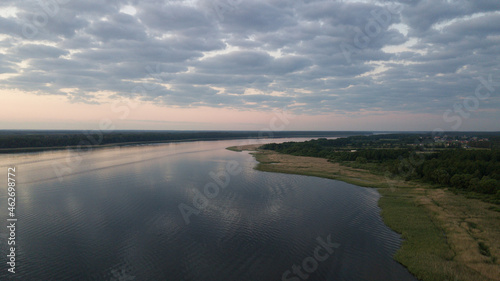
{"points": [[446, 236], [97, 146]]}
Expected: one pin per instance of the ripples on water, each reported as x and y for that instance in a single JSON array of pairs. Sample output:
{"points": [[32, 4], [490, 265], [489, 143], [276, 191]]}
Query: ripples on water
{"points": [[115, 216]]}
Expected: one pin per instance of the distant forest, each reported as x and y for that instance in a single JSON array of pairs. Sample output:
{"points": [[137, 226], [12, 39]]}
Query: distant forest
{"points": [[467, 162], [49, 139]]}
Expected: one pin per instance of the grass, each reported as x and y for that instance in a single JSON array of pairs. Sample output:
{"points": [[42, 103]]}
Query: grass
{"points": [[310, 166], [494, 208], [234, 148], [484, 250], [446, 236], [427, 250]]}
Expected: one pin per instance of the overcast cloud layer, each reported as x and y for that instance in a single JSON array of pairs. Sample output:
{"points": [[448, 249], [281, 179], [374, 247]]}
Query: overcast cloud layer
{"points": [[307, 56]]}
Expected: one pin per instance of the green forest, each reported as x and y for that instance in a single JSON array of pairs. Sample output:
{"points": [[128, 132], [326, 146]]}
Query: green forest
{"points": [[459, 162]]}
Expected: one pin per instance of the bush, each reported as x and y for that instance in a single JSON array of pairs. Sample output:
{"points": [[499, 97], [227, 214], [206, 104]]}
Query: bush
{"points": [[461, 181], [361, 160], [488, 185]]}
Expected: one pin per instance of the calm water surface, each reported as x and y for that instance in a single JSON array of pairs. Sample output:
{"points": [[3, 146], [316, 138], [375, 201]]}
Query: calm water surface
{"points": [[113, 214]]}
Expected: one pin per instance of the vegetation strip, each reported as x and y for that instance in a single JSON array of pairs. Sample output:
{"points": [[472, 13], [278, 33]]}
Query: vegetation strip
{"points": [[32, 141]]}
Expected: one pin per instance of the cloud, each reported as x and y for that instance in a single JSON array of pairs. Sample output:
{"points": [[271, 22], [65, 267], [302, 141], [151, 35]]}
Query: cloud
{"points": [[30, 51], [408, 56]]}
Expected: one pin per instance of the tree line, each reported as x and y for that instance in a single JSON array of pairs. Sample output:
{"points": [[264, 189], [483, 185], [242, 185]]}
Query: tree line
{"points": [[47, 139], [475, 170]]}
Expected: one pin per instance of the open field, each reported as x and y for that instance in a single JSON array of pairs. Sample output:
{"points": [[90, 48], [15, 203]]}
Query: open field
{"points": [[447, 236]]}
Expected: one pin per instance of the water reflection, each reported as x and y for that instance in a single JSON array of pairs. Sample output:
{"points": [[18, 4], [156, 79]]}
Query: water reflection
{"points": [[116, 217]]}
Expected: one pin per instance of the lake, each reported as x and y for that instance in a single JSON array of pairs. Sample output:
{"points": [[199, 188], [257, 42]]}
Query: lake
{"points": [[188, 211]]}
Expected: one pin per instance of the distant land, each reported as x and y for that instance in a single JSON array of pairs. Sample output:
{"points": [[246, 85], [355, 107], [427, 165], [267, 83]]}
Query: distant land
{"points": [[12, 141]]}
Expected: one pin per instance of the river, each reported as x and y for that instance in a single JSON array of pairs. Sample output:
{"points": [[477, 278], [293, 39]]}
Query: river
{"points": [[188, 211]]}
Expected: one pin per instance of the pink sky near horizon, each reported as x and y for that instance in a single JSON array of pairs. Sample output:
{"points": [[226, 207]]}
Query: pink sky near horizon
{"points": [[21, 110]]}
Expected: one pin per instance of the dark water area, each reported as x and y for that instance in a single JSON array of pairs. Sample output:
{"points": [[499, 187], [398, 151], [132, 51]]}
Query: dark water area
{"points": [[188, 211]]}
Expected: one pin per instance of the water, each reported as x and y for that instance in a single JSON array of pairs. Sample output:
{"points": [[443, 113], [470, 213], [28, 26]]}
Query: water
{"points": [[113, 214]]}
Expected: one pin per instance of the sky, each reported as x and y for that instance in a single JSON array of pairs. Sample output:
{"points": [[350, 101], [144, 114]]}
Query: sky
{"points": [[400, 65]]}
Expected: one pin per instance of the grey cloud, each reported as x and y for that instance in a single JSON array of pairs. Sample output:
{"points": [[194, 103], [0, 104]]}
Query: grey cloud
{"points": [[118, 27], [425, 13], [256, 16], [10, 26], [173, 17], [252, 62], [39, 51], [478, 27], [271, 46]]}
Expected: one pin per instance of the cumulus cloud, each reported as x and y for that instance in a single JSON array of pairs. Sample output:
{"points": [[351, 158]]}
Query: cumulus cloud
{"points": [[312, 56]]}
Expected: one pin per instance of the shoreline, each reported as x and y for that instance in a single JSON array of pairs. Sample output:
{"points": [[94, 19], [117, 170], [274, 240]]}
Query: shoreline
{"points": [[98, 146], [118, 144], [444, 235]]}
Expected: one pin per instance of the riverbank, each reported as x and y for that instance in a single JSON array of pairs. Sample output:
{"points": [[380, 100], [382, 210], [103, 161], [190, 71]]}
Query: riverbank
{"points": [[97, 146], [86, 147], [446, 236], [21, 141]]}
